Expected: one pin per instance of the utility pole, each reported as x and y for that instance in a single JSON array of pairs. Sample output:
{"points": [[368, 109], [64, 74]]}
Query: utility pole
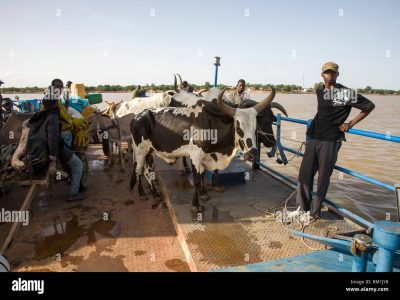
{"points": [[216, 64]]}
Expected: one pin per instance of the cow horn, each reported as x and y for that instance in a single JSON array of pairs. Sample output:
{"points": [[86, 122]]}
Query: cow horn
{"points": [[180, 79], [175, 84], [109, 103], [230, 111], [202, 91], [279, 107], [264, 103]]}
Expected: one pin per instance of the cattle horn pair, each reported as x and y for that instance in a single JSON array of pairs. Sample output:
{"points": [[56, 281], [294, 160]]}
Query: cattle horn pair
{"points": [[230, 111], [264, 103], [176, 88]]}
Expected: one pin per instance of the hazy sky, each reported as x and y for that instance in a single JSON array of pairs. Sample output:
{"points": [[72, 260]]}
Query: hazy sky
{"points": [[130, 42]]}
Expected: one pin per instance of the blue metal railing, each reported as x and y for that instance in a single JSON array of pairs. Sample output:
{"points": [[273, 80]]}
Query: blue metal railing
{"points": [[369, 134]]}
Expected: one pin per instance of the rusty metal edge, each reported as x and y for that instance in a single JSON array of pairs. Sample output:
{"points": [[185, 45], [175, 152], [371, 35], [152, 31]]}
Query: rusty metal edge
{"points": [[179, 232]]}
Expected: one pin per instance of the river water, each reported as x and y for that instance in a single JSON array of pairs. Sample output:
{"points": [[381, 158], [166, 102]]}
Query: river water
{"points": [[375, 158]]}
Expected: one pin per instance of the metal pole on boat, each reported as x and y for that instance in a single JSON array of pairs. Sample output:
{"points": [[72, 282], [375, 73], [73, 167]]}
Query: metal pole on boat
{"points": [[397, 187], [216, 64], [387, 237], [359, 248], [282, 158], [309, 121]]}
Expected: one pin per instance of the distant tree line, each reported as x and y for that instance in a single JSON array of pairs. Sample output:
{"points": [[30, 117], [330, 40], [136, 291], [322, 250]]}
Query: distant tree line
{"points": [[366, 90], [284, 88]]}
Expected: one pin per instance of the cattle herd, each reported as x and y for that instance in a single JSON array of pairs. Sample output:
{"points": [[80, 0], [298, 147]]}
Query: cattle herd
{"points": [[204, 127]]}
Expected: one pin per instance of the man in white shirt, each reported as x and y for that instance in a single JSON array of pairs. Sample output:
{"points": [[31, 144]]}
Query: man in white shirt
{"points": [[240, 93]]}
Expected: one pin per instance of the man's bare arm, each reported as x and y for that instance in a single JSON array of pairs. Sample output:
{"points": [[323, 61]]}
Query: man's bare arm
{"points": [[362, 115]]}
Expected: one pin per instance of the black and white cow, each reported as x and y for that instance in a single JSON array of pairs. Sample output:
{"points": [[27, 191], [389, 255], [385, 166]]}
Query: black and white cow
{"points": [[265, 119], [164, 132]]}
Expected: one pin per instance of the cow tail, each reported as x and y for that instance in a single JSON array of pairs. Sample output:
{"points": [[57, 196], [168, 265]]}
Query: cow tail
{"points": [[133, 175]]}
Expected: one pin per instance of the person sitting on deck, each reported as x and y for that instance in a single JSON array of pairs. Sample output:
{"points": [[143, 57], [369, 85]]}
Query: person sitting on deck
{"points": [[45, 143], [239, 94], [187, 87], [138, 92], [66, 93], [326, 134], [66, 123]]}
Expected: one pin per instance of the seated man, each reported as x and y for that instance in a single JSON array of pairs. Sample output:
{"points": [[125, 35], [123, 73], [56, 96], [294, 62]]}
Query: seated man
{"points": [[138, 92], [6, 109], [45, 140], [66, 123], [187, 87]]}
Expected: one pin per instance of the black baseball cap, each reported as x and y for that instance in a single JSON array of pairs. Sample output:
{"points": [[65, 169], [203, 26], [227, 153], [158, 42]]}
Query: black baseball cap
{"points": [[1, 82]]}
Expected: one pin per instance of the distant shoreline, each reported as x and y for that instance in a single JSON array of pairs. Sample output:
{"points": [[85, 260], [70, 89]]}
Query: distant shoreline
{"points": [[159, 91]]}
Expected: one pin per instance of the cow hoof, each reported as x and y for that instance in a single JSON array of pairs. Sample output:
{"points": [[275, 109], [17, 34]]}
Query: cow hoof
{"points": [[182, 173], [204, 197], [197, 209], [143, 198], [219, 189]]}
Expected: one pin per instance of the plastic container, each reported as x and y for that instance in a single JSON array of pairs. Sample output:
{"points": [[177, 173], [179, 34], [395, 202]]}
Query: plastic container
{"points": [[78, 103], [78, 90], [29, 106], [94, 98]]}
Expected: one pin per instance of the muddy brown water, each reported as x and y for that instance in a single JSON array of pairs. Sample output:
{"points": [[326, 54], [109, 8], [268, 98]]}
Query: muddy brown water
{"points": [[375, 158]]}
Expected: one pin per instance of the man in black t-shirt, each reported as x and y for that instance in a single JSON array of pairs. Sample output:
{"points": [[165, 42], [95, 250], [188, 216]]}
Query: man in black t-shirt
{"points": [[325, 136]]}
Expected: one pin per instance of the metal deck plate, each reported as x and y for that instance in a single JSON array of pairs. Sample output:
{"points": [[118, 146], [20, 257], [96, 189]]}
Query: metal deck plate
{"points": [[234, 229]]}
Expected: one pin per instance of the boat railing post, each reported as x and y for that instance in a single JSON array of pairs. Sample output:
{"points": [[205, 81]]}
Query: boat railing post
{"points": [[397, 187], [387, 237], [359, 248], [278, 140], [308, 126]]}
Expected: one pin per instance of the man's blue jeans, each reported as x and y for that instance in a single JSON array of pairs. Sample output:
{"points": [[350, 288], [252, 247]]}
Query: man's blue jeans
{"points": [[76, 167]]}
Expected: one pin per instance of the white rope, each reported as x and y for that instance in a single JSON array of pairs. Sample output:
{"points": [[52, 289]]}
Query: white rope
{"points": [[302, 225]]}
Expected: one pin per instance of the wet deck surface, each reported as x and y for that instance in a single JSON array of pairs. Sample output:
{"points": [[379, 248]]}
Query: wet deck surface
{"points": [[235, 228], [111, 230]]}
